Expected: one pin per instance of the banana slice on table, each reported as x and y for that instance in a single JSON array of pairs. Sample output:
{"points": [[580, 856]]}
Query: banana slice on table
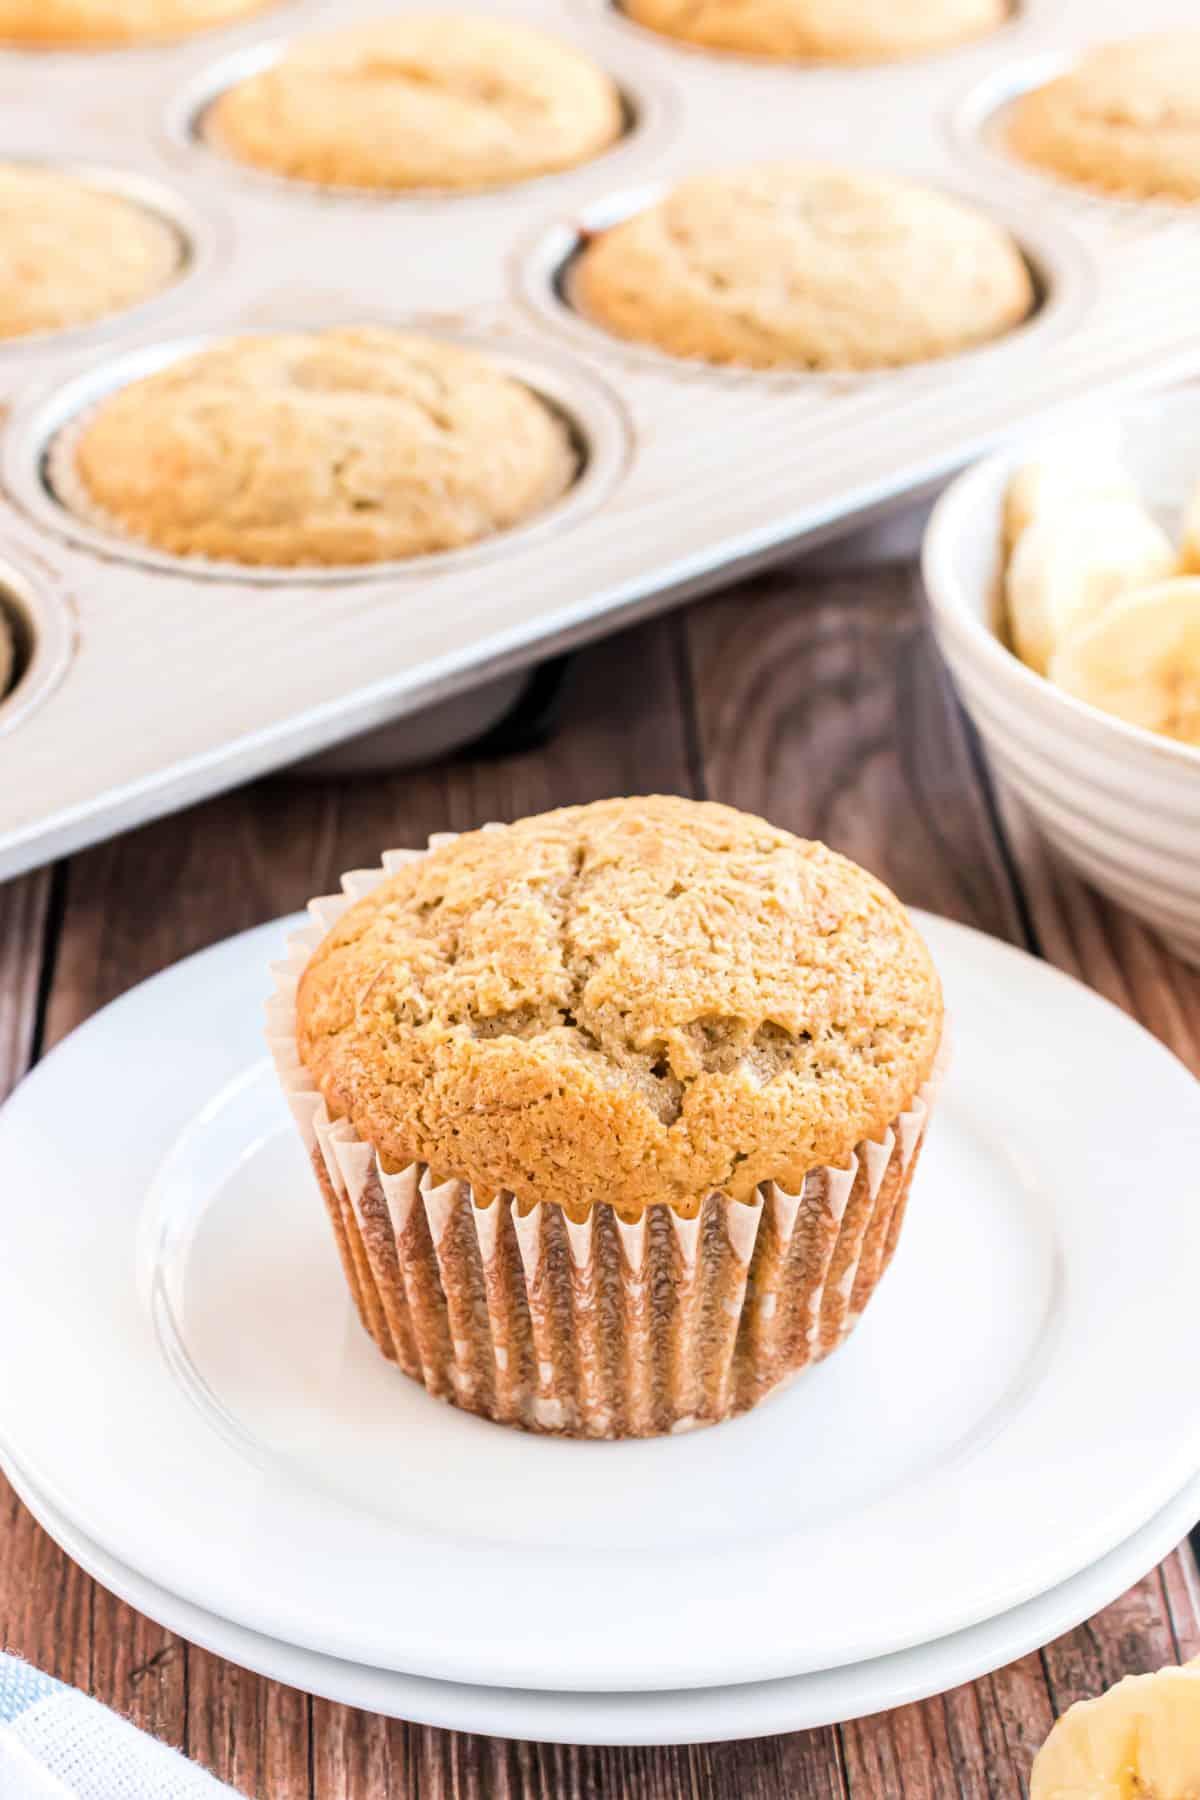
{"points": [[1067, 469], [1138, 1741], [1140, 660], [1071, 563]]}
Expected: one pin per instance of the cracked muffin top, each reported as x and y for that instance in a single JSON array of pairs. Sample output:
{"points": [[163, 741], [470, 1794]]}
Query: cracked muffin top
{"points": [[844, 31], [803, 266], [330, 447], [106, 23], [71, 253], [1125, 119], [422, 100], [636, 1001]]}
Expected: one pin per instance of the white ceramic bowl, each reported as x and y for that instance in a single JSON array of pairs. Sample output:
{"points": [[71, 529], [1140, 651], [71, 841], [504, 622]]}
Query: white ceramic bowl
{"points": [[1120, 804]]}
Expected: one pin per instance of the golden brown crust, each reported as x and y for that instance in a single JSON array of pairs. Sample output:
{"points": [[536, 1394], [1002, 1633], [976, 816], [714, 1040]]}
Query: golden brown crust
{"points": [[1125, 119], [71, 253], [107, 23], [844, 31], [802, 266], [346, 446], [637, 1001], [421, 100]]}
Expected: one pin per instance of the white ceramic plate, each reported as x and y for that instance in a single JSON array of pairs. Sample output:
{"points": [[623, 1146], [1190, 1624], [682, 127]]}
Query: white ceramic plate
{"points": [[685, 1716], [1020, 1399]]}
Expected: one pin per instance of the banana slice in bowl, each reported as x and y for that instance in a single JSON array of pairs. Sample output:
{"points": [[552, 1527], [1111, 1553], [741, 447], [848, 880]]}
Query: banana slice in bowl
{"points": [[1072, 561], [1098, 732], [1139, 660], [1138, 1741], [1085, 467]]}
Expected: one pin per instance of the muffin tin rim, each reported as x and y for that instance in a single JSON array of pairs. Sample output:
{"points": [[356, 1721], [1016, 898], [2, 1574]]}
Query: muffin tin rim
{"points": [[649, 105], [1062, 270], [202, 241], [598, 419], [52, 631]]}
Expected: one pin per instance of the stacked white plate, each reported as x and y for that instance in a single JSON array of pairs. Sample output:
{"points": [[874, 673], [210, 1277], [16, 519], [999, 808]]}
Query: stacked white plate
{"points": [[1009, 1441]]}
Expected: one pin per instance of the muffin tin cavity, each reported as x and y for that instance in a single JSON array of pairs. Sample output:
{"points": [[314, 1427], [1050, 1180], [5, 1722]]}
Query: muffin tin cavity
{"points": [[648, 119], [617, 12], [978, 128], [37, 453], [36, 642], [197, 242], [1059, 269], [70, 40]]}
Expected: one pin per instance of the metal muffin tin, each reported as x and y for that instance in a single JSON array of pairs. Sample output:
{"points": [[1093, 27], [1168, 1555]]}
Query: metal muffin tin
{"points": [[150, 681]]}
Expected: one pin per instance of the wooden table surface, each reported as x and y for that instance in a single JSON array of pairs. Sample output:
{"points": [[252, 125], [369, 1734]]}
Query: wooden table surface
{"points": [[816, 699]]}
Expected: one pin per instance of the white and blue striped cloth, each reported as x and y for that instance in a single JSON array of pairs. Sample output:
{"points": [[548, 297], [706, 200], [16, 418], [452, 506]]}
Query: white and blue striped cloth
{"points": [[56, 1744]]}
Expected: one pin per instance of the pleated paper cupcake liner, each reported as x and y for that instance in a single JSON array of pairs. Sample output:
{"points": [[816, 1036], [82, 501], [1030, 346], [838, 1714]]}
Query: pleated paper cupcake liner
{"points": [[608, 1327]]}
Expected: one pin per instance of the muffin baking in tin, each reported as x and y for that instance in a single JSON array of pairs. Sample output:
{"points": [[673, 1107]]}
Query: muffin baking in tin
{"points": [[72, 251], [345, 446], [108, 24], [837, 31], [419, 100], [1125, 119], [792, 265]]}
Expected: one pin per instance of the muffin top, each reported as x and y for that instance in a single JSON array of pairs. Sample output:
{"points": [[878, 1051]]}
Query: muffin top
{"points": [[798, 266], [636, 1001], [1125, 119], [342, 446], [71, 253], [104, 23], [821, 30], [421, 100]]}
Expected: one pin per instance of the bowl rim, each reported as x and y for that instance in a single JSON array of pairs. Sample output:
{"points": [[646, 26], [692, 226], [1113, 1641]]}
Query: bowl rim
{"points": [[961, 507]]}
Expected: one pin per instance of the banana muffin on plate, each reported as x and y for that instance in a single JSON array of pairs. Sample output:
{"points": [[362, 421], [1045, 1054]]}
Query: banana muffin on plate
{"points": [[1124, 120], [71, 252], [422, 100], [105, 24], [614, 1110], [839, 31], [346, 446], [800, 266]]}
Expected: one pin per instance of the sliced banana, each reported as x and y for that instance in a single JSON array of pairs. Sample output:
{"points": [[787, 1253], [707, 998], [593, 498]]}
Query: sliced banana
{"points": [[1066, 470], [1138, 1741], [1070, 563], [1140, 659]]}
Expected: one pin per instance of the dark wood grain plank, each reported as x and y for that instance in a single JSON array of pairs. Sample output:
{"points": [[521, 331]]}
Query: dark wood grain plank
{"points": [[825, 706], [24, 910], [1090, 937], [1181, 1584], [254, 1734]]}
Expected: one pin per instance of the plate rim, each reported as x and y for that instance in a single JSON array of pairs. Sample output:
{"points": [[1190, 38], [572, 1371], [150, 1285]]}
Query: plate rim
{"points": [[1018, 1632]]}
